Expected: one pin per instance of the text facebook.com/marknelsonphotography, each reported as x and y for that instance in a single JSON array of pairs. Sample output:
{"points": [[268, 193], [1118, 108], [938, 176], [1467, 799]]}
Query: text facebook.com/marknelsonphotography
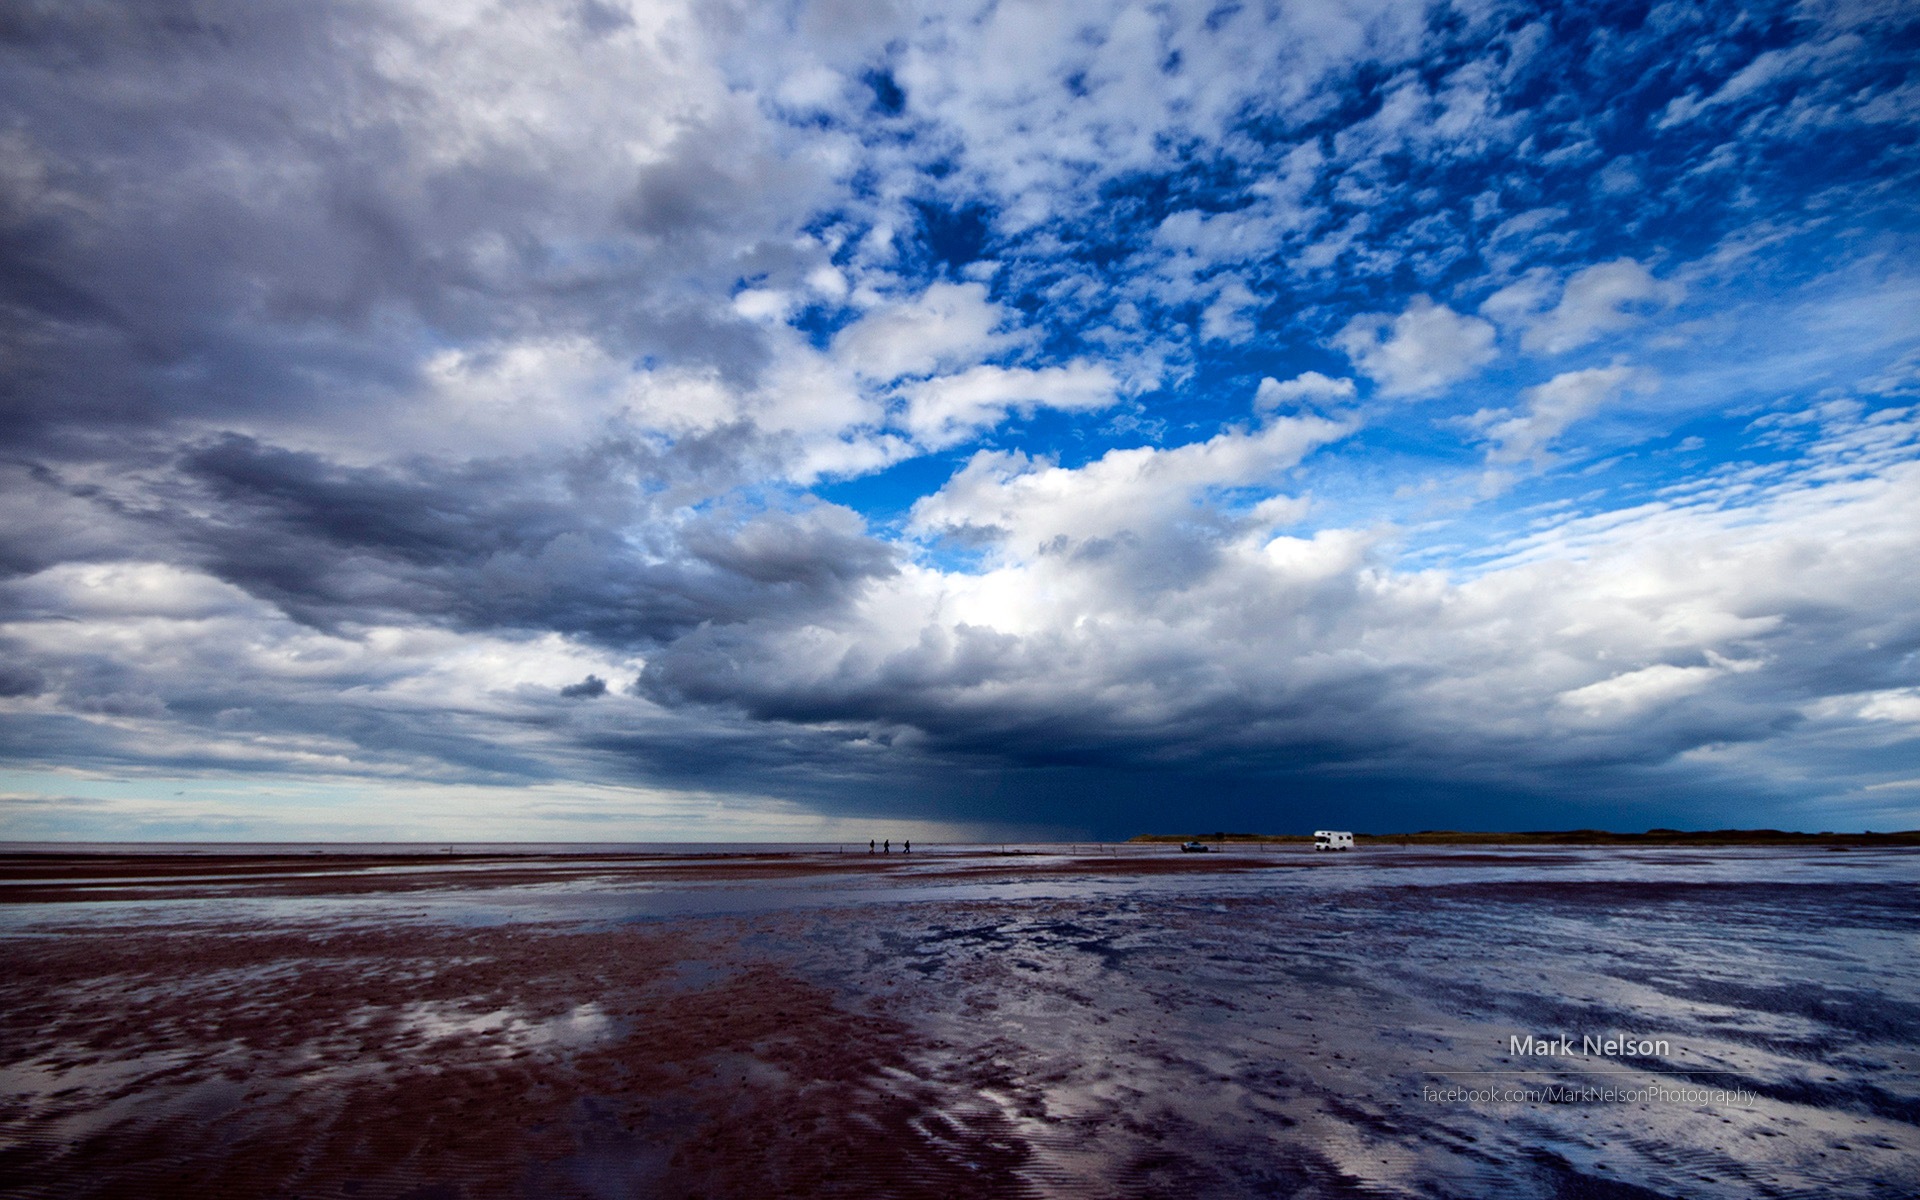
{"points": [[1650, 1094]]}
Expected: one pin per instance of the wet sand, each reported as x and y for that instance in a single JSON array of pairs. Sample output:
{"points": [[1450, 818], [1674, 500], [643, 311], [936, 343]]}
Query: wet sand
{"points": [[1115, 1023]]}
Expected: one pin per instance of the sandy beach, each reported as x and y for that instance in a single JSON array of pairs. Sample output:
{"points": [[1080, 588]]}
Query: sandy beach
{"points": [[1062, 1021]]}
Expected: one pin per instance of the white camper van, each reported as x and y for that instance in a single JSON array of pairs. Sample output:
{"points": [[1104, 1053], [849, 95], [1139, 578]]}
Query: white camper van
{"points": [[1331, 839]]}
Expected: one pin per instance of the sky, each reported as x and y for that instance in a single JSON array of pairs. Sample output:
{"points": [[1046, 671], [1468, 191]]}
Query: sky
{"points": [[608, 420]]}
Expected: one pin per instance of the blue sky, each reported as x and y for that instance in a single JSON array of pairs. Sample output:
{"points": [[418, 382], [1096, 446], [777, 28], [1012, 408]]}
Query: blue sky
{"points": [[591, 420]]}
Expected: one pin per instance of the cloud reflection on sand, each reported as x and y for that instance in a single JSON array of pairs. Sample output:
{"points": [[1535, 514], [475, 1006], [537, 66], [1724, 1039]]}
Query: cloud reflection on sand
{"points": [[505, 1031]]}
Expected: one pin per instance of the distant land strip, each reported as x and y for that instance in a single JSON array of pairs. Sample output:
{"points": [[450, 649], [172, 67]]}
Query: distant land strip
{"points": [[1574, 837]]}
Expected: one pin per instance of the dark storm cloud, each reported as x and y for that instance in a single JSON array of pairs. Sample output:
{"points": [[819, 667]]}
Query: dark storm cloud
{"points": [[213, 211], [511, 544], [1520, 680], [17, 680]]}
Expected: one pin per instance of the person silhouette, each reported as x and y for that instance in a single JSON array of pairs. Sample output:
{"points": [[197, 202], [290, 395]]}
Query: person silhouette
{"points": [[909, 847], [886, 847], [870, 846]]}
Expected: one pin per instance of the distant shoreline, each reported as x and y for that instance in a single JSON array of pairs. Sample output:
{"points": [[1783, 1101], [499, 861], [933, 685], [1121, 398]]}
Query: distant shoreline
{"points": [[1572, 837]]}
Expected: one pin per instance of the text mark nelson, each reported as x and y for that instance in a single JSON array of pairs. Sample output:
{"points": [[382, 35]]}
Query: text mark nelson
{"points": [[1562, 1045]]}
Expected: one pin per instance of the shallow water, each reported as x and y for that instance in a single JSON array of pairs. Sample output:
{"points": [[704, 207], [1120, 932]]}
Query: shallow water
{"points": [[1051, 1023]]}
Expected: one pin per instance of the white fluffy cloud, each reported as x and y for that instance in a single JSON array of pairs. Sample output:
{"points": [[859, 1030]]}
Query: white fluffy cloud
{"points": [[1523, 435], [948, 325], [1031, 507], [949, 409], [1049, 101], [1229, 318], [1308, 387], [1419, 352], [1596, 300]]}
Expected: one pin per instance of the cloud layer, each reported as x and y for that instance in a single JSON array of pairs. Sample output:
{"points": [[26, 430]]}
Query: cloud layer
{"points": [[1078, 416]]}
